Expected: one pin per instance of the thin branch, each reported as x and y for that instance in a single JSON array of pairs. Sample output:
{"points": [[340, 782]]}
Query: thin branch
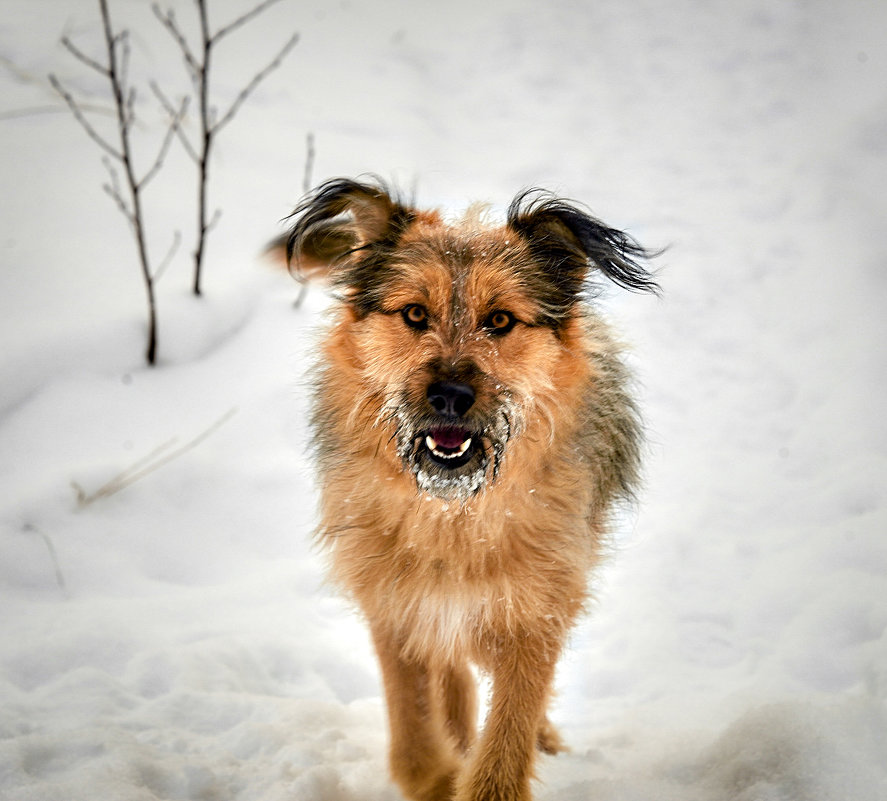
{"points": [[81, 118], [129, 202], [168, 21], [81, 56], [113, 189], [112, 486], [147, 465], [257, 79], [53, 555], [170, 109], [129, 109], [167, 259], [125, 104], [118, 199], [210, 120], [222, 32], [164, 146], [33, 111], [217, 215], [140, 464], [122, 40], [307, 180]]}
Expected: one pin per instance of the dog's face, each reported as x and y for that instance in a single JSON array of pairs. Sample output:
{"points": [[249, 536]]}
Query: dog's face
{"points": [[457, 329], [453, 354]]}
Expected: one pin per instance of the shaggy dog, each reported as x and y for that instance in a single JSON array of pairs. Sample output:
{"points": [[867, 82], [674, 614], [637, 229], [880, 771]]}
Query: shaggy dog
{"points": [[473, 429]]}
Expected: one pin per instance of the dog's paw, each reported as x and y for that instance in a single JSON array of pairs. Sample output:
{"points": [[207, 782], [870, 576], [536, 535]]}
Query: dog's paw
{"points": [[427, 780], [549, 740], [441, 789]]}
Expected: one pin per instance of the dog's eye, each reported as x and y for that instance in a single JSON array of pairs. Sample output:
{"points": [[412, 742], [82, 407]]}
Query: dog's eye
{"points": [[415, 316], [500, 322]]}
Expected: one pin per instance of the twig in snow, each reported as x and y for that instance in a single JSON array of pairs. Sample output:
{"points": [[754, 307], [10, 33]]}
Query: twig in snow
{"points": [[307, 182], [156, 459], [307, 179], [167, 259], [119, 154], [53, 555], [198, 66]]}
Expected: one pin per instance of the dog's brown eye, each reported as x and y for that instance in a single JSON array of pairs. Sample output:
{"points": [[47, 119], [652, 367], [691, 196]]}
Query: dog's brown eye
{"points": [[500, 322], [415, 316]]}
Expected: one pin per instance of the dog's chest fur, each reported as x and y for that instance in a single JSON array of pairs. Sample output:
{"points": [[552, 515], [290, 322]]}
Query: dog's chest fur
{"points": [[453, 577]]}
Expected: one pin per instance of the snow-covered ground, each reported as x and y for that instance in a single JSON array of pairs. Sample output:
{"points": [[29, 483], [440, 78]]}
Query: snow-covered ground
{"points": [[175, 639]]}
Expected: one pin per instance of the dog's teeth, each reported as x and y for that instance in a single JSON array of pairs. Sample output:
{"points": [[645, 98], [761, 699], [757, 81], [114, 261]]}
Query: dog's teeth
{"points": [[432, 445]]}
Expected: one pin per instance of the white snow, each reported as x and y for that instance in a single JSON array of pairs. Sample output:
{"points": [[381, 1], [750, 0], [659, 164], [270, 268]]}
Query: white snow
{"points": [[176, 640]]}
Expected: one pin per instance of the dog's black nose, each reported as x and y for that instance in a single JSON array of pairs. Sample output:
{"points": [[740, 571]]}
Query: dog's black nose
{"points": [[450, 399]]}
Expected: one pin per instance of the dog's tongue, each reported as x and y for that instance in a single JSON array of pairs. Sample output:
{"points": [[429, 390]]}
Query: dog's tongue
{"points": [[450, 437]]}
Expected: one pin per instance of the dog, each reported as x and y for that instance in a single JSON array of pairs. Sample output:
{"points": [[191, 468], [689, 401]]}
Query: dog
{"points": [[474, 430]]}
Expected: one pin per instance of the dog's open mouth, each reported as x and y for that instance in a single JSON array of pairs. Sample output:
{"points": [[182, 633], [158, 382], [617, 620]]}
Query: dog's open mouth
{"points": [[449, 447], [448, 461], [452, 459]]}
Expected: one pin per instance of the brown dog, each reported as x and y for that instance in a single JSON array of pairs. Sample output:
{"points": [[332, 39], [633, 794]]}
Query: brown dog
{"points": [[474, 430]]}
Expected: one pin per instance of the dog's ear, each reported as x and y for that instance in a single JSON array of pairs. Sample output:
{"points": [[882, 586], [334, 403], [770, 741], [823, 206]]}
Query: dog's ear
{"points": [[340, 218], [567, 240]]}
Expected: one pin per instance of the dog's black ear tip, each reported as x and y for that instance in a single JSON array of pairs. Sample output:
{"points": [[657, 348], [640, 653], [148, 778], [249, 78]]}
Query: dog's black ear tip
{"points": [[650, 287], [640, 282], [653, 287], [649, 282], [630, 272], [615, 253]]}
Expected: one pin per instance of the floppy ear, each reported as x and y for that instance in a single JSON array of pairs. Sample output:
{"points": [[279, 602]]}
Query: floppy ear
{"points": [[567, 239], [340, 218]]}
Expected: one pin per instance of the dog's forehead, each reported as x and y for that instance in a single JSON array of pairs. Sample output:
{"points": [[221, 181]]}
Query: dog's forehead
{"points": [[471, 267]]}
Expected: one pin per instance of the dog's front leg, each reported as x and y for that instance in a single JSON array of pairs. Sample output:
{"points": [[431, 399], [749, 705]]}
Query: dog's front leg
{"points": [[501, 765], [422, 758]]}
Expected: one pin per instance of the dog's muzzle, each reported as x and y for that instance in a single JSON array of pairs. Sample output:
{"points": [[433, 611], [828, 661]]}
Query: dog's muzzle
{"points": [[449, 449]]}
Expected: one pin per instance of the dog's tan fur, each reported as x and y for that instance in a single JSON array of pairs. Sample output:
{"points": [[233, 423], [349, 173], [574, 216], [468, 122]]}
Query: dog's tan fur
{"points": [[488, 568]]}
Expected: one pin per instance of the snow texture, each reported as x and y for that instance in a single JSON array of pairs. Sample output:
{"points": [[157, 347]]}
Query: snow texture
{"points": [[176, 640]]}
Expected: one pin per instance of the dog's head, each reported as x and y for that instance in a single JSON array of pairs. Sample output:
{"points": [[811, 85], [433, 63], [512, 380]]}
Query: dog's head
{"points": [[455, 331]]}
